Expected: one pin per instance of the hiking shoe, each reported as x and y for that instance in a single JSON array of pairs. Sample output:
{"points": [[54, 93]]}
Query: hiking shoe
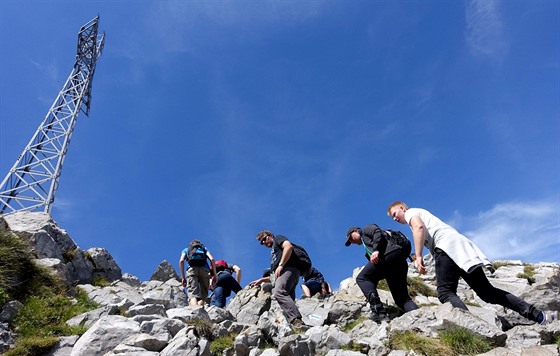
{"points": [[380, 317], [549, 316], [298, 324]]}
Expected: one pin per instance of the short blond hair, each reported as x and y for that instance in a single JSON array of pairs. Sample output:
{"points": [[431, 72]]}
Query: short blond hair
{"points": [[264, 233], [397, 203]]}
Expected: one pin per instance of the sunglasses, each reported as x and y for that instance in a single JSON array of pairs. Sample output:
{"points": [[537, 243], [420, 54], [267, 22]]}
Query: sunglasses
{"points": [[263, 240]]}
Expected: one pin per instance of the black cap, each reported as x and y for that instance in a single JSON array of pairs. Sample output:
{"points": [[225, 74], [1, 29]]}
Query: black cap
{"points": [[348, 233]]}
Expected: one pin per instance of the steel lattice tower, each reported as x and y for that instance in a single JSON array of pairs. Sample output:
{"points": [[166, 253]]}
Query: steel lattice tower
{"points": [[32, 182]]}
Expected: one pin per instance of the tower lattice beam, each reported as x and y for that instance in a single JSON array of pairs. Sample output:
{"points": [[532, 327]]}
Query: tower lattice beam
{"points": [[32, 182]]}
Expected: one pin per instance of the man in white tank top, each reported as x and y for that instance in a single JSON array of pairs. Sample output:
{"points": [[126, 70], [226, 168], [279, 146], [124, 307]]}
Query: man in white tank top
{"points": [[457, 257]]}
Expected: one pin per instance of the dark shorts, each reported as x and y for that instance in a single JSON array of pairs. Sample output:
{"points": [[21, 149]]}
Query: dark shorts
{"points": [[314, 287]]}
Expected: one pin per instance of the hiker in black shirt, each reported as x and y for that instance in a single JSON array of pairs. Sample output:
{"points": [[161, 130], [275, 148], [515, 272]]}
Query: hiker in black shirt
{"points": [[286, 268], [385, 261]]}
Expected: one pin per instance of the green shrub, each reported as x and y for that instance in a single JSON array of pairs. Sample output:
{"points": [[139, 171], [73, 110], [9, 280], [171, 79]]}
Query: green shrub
{"points": [[528, 273], [16, 267], [383, 285], [202, 327], [100, 281], [218, 346], [393, 311], [69, 255], [464, 341], [352, 347], [4, 297]]}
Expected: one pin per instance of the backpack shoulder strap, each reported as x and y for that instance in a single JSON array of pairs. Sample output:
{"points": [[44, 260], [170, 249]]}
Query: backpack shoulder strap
{"points": [[368, 252]]}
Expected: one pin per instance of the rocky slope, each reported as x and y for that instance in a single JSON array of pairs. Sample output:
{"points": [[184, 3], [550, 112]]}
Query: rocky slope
{"points": [[151, 317]]}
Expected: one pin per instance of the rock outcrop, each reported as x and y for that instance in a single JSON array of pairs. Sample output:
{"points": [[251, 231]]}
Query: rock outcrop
{"points": [[152, 317], [54, 248]]}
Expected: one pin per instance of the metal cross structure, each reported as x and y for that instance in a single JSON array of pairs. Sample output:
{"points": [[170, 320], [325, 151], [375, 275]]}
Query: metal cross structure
{"points": [[32, 182]]}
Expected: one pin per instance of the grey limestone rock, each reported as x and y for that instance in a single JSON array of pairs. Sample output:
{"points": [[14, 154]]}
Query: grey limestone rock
{"points": [[158, 321], [164, 272]]}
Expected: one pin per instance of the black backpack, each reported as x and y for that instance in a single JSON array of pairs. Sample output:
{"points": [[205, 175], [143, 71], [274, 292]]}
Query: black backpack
{"points": [[399, 239], [304, 260], [196, 256]]}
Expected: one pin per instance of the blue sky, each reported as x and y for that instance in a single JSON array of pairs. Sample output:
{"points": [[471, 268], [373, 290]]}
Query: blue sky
{"points": [[214, 120]]}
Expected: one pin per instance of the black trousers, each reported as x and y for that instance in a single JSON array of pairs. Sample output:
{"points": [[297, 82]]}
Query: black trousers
{"points": [[393, 268], [448, 274]]}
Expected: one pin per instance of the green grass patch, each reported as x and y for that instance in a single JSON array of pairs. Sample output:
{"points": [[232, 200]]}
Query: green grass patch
{"points": [[499, 264], [46, 305], [351, 325], [474, 304], [416, 286], [383, 285], [427, 305], [32, 346], [297, 331], [464, 341], [268, 344], [352, 347], [409, 340]]}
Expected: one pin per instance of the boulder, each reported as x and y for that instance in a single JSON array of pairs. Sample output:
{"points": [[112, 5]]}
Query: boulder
{"points": [[103, 336], [165, 272]]}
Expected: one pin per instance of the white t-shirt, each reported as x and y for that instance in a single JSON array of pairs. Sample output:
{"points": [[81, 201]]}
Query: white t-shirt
{"points": [[440, 235]]}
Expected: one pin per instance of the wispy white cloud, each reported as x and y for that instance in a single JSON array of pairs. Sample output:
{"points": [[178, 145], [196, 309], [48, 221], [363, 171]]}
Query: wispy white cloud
{"points": [[485, 34], [64, 208], [50, 73], [50, 70], [185, 26], [528, 231]]}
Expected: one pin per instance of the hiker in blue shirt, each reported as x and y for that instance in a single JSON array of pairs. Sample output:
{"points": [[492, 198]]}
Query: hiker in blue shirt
{"points": [[314, 283], [198, 272], [226, 283], [385, 261]]}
